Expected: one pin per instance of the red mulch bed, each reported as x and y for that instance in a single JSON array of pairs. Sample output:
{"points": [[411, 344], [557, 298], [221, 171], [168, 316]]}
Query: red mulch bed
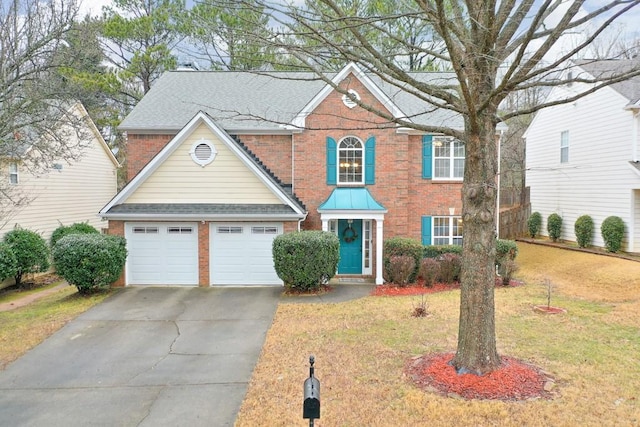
{"points": [[513, 381], [418, 288]]}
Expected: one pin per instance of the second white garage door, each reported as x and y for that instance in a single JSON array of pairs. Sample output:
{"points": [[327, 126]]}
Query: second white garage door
{"points": [[240, 253]]}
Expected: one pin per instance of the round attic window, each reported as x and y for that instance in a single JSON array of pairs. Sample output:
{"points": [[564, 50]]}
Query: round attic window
{"points": [[348, 101], [203, 152]]}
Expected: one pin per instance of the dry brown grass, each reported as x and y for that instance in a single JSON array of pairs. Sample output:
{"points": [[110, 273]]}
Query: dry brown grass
{"points": [[24, 328], [361, 348]]}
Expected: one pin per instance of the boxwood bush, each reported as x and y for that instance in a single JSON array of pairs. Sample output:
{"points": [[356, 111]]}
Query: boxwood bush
{"points": [[554, 226], [534, 224], [90, 261], [30, 250], [76, 228], [307, 259], [8, 262], [612, 230], [584, 230], [434, 251], [402, 246]]}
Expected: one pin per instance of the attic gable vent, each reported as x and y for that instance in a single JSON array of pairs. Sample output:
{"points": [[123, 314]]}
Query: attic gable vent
{"points": [[348, 101], [203, 152]]}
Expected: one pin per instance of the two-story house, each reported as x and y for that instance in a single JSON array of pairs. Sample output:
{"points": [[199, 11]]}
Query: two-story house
{"points": [[222, 162], [583, 158]]}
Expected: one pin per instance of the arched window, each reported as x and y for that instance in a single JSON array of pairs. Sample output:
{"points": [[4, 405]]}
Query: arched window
{"points": [[350, 155]]}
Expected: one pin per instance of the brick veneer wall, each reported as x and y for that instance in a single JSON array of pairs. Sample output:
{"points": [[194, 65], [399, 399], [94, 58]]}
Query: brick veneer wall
{"points": [[274, 151], [141, 148], [116, 228]]}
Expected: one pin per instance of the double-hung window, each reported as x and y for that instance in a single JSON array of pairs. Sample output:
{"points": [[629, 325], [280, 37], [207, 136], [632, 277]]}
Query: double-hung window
{"points": [[350, 156], [447, 230], [13, 173], [448, 158], [564, 146]]}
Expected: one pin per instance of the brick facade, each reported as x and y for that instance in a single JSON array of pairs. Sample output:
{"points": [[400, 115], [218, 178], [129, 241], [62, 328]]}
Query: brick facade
{"points": [[300, 159]]}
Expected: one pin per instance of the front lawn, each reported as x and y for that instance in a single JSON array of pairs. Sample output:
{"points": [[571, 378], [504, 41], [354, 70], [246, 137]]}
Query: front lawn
{"points": [[362, 348], [24, 328]]}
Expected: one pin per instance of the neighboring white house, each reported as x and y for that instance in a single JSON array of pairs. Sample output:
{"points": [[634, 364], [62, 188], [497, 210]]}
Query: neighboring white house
{"points": [[583, 158], [67, 193]]}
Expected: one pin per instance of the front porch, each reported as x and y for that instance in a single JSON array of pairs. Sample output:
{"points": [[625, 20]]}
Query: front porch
{"points": [[352, 214]]}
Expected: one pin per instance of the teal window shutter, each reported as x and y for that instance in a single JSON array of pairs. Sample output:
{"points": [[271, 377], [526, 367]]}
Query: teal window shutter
{"points": [[370, 161], [426, 230], [427, 155], [332, 161]]}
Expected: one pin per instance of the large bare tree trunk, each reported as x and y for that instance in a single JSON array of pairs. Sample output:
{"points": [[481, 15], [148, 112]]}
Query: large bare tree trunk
{"points": [[476, 352]]}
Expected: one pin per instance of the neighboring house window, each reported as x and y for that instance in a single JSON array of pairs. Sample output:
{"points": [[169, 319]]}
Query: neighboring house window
{"points": [[350, 161], [442, 230], [13, 173], [350, 155], [442, 158], [564, 147]]}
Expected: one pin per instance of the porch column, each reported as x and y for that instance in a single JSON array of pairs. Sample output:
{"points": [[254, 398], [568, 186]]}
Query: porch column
{"points": [[379, 227], [325, 224]]}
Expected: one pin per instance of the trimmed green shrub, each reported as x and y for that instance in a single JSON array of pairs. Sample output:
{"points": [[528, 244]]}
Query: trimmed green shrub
{"points": [[612, 230], [450, 265], [534, 224], [429, 271], [90, 261], [399, 246], [307, 259], [505, 250], [30, 250], [434, 251], [584, 230], [554, 226], [401, 268], [8, 262], [76, 228]]}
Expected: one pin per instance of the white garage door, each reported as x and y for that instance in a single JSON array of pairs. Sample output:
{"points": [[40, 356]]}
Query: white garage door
{"points": [[240, 253], [162, 253]]}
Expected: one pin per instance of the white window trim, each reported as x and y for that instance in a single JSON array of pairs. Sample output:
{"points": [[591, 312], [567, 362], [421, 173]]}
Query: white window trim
{"points": [[362, 154], [201, 161], [451, 158], [564, 146], [450, 237], [13, 171]]}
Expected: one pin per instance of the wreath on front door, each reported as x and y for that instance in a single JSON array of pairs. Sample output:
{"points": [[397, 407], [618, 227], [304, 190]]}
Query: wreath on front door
{"points": [[349, 234]]}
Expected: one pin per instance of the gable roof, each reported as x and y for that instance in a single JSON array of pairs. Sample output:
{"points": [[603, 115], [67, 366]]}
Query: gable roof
{"points": [[629, 88], [291, 206], [241, 101]]}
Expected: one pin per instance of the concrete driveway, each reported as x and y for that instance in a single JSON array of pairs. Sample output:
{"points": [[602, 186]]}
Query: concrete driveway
{"points": [[145, 357]]}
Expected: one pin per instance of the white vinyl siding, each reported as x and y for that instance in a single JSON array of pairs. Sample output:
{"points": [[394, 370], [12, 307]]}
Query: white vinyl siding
{"points": [[598, 181], [180, 180], [73, 193]]}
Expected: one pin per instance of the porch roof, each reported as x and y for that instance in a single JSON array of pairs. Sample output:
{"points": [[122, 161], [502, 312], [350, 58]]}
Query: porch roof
{"points": [[351, 199]]}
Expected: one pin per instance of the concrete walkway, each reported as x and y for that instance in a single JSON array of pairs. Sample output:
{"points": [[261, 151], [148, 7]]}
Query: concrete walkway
{"points": [[149, 356]]}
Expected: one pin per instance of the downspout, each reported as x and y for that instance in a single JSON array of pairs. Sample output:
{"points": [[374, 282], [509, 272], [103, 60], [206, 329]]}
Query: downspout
{"points": [[634, 136], [498, 185], [293, 166]]}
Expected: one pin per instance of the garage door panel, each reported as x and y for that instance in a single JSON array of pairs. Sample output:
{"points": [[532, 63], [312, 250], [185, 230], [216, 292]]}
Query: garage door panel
{"points": [[240, 253], [162, 253]]}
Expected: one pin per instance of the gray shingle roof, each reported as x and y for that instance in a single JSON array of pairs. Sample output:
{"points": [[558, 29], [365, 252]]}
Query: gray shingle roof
{"points": [[238, 100], [200, 209], [630, 88]]}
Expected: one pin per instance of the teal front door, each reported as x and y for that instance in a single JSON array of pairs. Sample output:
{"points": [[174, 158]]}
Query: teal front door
{"points": [[350, 234]]}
